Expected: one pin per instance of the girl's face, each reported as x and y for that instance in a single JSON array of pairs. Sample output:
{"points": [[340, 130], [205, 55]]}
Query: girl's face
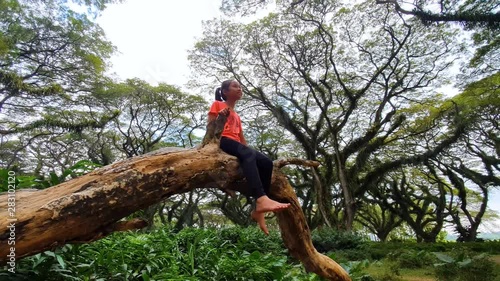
{"points": [[234, 92]]}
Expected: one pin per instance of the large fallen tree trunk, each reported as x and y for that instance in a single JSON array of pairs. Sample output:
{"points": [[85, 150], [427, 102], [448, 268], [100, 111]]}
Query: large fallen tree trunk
{"points": [[91, 206]]}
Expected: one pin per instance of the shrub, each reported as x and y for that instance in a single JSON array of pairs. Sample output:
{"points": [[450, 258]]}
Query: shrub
{"points": [[329, 239], [461, 267], [356, 269], [380, 250], [357, 254], [191, 254], [411, 258], [253, 239], [491, 247]]}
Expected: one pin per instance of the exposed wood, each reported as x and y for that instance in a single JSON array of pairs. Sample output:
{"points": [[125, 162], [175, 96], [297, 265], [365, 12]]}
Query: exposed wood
{"points": [[91, 206], [297, 236]]}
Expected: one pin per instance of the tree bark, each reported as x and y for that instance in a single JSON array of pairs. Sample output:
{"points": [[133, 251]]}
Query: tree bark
{"points": [[91, 206]]}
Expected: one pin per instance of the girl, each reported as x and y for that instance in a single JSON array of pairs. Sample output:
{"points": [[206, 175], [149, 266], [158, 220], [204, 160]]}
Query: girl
{"points": [[257, 168]]}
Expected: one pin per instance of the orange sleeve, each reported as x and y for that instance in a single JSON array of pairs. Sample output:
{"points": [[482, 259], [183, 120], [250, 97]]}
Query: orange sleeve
{"points": [[214, 109]]}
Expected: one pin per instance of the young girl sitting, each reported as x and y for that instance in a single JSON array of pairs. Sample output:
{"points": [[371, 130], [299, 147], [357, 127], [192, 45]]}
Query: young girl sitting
{"points": [[257, 167]]}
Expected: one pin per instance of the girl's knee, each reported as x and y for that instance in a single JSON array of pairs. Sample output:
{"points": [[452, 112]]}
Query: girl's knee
{"points": [[247, 153]]}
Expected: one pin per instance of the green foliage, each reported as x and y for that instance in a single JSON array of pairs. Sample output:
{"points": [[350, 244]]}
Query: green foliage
{"points": [[252, 239], [329, 239], [335, 102], [225, 254], [460, 266], [73, 120], [191, 254], [9, 179], [441, 238], [152, 116], [380, 250], [245, 7], [80, 168], [50, 55], [28, 181], [356, 270], [479, 96], [93, 6], [490, 247], [411, 258], [488, 41]]}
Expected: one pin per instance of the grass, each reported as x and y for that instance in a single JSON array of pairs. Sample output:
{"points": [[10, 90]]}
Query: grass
{"points": [[496, 259], [383, 271]]}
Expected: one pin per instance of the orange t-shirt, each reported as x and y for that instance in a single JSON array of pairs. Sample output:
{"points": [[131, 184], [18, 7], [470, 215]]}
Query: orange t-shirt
{"points": [[232, 129]]}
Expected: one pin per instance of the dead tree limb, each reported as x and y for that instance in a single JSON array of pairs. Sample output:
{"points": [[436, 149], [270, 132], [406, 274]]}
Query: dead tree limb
{"points": [[90, 207]]}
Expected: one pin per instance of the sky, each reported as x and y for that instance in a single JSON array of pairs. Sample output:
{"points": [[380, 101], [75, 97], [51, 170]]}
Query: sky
{"points": [[153, 38]]}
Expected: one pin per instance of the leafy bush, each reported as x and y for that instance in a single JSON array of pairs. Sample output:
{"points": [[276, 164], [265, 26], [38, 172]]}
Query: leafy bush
{"points": [[225, 254], [380, 250], [411, 258], [162, 254], [460, 267], [29, 181], [252, 239], [356, 269], [329, 239], [358, 254], [491, 247]]}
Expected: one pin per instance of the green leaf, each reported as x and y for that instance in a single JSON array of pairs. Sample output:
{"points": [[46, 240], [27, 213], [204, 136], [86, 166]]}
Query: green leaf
{"points": [[464, 262], [50, 254], [444, 257], [38, 260], [255, 255], [54, 179], [26, 181], [480, 256], [61, 261]]}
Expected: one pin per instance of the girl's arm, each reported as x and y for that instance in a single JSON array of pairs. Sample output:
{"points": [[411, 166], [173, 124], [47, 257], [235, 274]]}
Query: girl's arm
{"points": [[211, 117]]}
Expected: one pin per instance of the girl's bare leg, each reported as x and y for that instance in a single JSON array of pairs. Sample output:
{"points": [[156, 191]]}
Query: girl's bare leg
{"points": [[261, 221], [264, 205]]}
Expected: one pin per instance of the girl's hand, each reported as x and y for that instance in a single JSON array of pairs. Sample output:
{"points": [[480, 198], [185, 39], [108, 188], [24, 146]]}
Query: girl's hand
{"points": [[224, 112]]}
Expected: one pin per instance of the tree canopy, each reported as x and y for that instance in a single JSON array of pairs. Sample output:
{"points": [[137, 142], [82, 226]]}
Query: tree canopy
{"points": [[363, 88]]}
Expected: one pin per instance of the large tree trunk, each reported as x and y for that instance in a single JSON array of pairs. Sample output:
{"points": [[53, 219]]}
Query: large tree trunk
{"points": [[91, 206]]}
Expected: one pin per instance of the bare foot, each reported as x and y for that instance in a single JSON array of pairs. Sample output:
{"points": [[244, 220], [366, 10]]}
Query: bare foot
{"points": [[265, 204], [261, 221]]}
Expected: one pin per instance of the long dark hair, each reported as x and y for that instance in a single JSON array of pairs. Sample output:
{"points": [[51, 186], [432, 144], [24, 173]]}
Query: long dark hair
{"points": [[220, 94]]}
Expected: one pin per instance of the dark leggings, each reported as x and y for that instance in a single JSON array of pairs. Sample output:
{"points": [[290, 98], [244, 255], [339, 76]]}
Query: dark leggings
{"points": [[257, 167]]}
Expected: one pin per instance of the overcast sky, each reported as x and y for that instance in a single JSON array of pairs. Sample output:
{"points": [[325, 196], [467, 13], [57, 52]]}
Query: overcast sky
{"points": [[153, 37]]}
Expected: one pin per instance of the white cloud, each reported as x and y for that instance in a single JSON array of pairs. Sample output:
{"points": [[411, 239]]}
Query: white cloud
{"points": [[153, 37]]}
